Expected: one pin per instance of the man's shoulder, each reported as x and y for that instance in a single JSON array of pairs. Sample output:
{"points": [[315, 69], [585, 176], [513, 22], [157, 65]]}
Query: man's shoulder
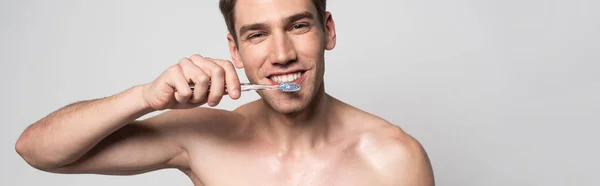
{"points": [[387, 141], [374, 133], [392, 153]]}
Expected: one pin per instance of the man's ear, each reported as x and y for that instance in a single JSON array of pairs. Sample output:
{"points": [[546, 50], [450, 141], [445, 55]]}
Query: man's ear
{"points": [[233, 50], [330, 36]]}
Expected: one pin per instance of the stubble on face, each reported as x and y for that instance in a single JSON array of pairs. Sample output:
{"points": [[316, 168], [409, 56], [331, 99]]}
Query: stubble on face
{"points": [[258, 54]]}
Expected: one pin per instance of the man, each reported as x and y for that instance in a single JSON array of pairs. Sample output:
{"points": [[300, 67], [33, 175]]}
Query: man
{"points": [[301, 138]]}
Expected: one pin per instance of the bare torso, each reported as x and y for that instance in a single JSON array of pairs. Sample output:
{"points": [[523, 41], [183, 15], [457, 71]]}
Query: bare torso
{"points": [[233, 151], [259, 164]]}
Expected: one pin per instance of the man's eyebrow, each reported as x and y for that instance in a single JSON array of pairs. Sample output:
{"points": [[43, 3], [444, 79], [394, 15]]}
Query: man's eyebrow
{"points": [[287, 20], [298, 16]]}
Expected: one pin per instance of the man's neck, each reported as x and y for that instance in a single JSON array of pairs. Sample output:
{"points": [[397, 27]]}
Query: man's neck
{"points": [[297, 133]]}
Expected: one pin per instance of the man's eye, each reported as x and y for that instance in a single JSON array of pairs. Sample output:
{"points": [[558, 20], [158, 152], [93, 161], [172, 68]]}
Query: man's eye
{"points": [[299, 26], [251, 36]]}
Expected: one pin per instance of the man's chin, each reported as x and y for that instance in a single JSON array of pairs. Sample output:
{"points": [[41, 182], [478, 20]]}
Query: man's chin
{"points": [[286, 107], [288, 103]]}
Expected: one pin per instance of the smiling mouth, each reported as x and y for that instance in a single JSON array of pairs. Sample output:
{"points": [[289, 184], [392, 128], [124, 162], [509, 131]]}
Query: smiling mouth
{"points": [[286, 78]]}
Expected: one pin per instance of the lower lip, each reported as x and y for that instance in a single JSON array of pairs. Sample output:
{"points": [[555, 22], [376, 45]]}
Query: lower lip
{"points": [[297, 81]]}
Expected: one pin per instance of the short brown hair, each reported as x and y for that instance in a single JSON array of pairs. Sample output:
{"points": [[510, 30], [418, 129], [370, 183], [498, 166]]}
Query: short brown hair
{"points": [[227, 7]]}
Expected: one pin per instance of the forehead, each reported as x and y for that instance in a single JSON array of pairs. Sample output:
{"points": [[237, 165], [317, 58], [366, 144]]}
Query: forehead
{"points": [[265, 11]]}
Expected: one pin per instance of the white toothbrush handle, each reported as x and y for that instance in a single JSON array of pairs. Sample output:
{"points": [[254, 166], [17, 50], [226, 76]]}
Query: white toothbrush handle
{"points": [[248, 86]]}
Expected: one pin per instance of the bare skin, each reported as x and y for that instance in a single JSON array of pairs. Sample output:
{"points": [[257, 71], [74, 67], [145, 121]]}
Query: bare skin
{"points": [[302, 138]]}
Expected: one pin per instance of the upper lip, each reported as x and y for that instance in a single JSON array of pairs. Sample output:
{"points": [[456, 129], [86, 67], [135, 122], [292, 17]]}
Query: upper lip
{"points": [[276, 73]]}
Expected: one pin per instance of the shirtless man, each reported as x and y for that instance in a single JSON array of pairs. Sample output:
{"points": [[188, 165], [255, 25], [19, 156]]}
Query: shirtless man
{"points": [[302, 138]]}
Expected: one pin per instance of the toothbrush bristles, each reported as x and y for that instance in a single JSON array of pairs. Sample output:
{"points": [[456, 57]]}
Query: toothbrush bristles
{"points": [[289, 87]]}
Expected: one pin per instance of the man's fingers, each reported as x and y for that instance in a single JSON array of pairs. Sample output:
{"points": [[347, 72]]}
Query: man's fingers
{"points": [[217, 78], [199, 78], [231, 78], [208, 76], [176, 80]]}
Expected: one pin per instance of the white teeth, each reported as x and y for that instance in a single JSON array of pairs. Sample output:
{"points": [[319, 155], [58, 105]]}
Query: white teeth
{"points": [[286, 78]]}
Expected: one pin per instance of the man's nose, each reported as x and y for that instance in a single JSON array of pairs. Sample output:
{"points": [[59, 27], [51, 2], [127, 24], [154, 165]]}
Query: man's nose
{"points": [[283, 50]]}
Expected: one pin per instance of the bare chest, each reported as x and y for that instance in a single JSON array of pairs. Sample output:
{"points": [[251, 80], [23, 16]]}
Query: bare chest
{"points": [[233, 167]]}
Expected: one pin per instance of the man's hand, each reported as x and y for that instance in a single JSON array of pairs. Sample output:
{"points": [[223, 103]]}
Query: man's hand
{"points": [[210, 77]]}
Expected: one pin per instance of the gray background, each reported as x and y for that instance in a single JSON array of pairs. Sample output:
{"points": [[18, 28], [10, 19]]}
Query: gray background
{"points": [[499, 92]]}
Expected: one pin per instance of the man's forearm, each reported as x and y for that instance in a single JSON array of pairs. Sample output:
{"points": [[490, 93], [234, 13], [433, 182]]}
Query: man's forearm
{"points": [[68, 133]]}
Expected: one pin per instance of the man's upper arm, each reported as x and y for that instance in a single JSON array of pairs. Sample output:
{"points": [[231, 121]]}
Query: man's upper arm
{"points": [[136, 148]]}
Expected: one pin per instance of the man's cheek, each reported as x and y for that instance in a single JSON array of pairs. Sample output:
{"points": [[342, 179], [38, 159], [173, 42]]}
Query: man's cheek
{"points": [[310, 47]]}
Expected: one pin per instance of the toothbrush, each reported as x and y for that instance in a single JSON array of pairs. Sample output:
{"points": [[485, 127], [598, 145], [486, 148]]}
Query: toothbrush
{"points": [[284, 87]]}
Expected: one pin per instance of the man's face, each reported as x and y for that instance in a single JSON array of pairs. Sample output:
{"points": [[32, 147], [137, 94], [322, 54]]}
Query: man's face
{"points": [[282, 41]]}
